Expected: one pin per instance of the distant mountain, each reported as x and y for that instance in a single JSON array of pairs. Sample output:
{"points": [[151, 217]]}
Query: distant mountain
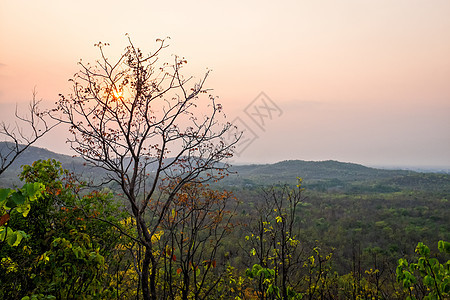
{"points": [[325, 176], [10, 177], [332, 175], [313, 170], [34, 153]]}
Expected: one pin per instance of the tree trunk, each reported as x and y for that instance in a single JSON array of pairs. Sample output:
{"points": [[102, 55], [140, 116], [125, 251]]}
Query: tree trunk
{"points": [[185, 285], [149, 277], [145, 275], [153, 276]]}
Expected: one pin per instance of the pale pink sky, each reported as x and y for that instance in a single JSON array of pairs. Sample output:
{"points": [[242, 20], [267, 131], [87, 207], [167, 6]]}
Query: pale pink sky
{"points": [[360, 81]]}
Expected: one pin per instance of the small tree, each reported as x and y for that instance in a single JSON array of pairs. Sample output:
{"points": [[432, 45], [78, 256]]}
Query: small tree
{"points": [[192, 233], [26, 131], [145, 124], [275, 244]]}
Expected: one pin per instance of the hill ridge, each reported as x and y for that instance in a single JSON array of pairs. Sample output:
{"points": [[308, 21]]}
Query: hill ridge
{"points": [[322, 175]]}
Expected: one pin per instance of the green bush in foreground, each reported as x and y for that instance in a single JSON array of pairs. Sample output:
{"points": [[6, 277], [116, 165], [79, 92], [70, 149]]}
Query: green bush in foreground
{"points": [[427, 278]]}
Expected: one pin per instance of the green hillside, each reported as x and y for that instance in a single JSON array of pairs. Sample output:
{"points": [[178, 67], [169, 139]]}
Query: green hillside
{"points": [[335, 176], [367, 218], [10, 177], [323, 176]]}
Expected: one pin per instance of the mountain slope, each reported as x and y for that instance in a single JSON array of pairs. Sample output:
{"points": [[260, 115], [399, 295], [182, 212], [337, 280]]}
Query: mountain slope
{"points": [[317, 175], [336, 176], [10, 177]]}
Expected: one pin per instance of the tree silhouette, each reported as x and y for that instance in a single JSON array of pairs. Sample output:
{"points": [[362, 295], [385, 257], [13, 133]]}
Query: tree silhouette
{"points": [[145, 124], [25, 132]]}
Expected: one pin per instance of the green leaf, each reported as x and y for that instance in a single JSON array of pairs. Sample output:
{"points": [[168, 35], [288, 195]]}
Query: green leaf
{"points": [[277, 291], [428, 281], [24, 209], [10, 203], [445, 285], [33, 190], [249, 273], [2, 233], [256, 268], [423, 249], [4, 193], [11, 238], [406, 283], [18, 198], [262, 272], [19, 236], [444, 246]]}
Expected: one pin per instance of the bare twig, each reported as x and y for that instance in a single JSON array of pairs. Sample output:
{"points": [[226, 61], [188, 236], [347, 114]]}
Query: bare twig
{"points": [[24, 133]]}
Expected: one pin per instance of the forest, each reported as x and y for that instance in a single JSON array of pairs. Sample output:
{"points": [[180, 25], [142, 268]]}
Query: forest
{"points": [[150, 208]]}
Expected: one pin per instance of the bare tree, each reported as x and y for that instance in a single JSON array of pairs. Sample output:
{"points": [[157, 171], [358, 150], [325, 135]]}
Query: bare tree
{"points": [[145, 124], [24, 133]]}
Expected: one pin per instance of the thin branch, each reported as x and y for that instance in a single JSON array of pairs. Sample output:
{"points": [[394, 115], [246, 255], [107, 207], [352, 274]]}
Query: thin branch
{"points": [[15, 140]]}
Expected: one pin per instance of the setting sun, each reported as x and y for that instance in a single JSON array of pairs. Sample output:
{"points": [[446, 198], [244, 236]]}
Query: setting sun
{"points": [[225, 149], [118, 94]]}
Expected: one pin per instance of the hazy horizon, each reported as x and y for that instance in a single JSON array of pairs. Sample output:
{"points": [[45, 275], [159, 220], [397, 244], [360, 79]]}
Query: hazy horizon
{"points": [[352, 81], [419, 168]]}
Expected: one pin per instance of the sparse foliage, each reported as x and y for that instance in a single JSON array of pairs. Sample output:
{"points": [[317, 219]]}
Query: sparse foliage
{"points": [[25, 132], [147, 126], [275, 244], [193, 232]]}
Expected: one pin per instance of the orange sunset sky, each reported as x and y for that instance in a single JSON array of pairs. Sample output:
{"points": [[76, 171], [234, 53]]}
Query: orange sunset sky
{"points": [[358, 81]]}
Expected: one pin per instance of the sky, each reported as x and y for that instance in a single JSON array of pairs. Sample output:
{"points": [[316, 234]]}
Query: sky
{"points": [[352, 80]]}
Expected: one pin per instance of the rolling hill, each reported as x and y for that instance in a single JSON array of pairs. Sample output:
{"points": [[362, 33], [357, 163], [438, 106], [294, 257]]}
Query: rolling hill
{"points": [[10, 177], [332, 176]]}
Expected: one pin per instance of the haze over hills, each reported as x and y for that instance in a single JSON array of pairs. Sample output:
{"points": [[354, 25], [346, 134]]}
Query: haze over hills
{"points": [[317, 175], [336, 176], [10, 176]]}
